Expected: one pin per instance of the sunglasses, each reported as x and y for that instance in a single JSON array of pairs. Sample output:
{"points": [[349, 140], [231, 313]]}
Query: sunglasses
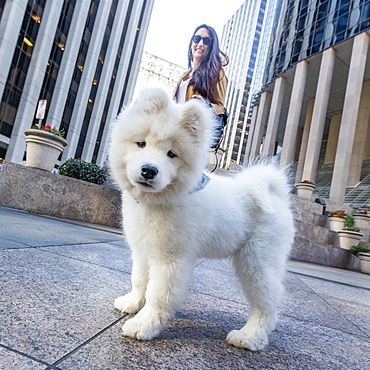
{"points": [[206, 40]]}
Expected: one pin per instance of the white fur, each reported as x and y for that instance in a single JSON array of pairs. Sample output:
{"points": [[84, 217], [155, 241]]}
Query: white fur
{"points": [[246, 218]]}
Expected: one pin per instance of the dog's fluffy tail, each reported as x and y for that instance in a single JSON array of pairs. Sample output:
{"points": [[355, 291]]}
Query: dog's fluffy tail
{"points": [[267, 182]]}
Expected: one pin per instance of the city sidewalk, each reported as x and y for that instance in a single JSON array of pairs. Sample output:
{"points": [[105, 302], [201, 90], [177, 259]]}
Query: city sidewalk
{"points": [[59, 280]]}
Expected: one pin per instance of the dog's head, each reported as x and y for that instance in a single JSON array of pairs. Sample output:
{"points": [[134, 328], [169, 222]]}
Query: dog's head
{"points": [[159, 148]]}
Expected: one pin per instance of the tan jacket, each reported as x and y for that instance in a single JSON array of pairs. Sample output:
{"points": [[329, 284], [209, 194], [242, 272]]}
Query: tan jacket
{"points": [[221, 89]]}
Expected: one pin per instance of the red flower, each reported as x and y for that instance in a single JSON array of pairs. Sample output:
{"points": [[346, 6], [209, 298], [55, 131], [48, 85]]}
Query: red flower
{"points": [[48, 127], [362, 211]]}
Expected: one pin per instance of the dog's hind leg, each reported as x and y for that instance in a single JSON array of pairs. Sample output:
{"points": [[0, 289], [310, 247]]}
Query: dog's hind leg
{"points": [[165, 293], [263, 288], [135, 300]]}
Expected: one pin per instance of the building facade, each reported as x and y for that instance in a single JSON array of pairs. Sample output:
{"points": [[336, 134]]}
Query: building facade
{"points": [[245, 39], [82, 56], [157, 72], [314, 106]]}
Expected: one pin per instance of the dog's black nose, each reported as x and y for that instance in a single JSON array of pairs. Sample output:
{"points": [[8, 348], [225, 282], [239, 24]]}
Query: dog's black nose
{"points": [[148, 171]]}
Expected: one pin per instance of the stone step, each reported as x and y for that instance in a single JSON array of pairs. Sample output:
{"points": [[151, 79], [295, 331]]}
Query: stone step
{"points": [[326, 255], [316, 234], [308, 211], [315, 242]]}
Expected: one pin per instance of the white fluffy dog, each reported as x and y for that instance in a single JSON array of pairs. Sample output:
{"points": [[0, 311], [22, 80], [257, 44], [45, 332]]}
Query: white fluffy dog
{"points": [[157, 156]]}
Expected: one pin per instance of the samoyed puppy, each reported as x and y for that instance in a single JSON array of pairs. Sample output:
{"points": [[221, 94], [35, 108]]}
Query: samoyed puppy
{"points": [[172, 217]]}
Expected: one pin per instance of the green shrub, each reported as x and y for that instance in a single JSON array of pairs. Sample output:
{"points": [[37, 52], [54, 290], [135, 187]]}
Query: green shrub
{"points": [[356, 249], [349, 223], [82, 170]]}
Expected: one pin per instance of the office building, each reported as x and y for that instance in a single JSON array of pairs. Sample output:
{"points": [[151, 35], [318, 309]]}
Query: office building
{"points": [[245, 39], [159, 73], [81, 56], [314, 106]]}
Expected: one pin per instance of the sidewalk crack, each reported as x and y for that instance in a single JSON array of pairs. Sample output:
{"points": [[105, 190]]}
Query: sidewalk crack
{"points": [[24, 355], [69, 354]]}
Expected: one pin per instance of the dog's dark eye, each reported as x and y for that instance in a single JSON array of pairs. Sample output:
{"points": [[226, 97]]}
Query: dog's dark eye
{"points": [[171, 154], [141, 144]]}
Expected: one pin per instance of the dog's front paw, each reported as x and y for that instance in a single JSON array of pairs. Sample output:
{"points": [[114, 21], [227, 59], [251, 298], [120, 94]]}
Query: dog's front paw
{"points": [[144, 326], [129, 303], [239, 339]]}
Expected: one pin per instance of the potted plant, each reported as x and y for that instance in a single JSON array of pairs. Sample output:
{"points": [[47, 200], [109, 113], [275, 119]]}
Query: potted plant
{"points": [[362, 217], [305, 189], [337, 220], [350, 235], [363, 254], [44, 145]]}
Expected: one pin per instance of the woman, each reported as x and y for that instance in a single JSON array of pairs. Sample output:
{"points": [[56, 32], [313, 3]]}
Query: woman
{"points": [[205, 78]]}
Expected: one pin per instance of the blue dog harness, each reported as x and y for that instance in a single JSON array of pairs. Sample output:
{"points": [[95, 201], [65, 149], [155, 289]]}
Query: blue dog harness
{"points": [[201, 184]]}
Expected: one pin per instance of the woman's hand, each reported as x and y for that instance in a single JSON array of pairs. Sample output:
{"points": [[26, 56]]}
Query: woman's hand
{"points": [[198, 97]]}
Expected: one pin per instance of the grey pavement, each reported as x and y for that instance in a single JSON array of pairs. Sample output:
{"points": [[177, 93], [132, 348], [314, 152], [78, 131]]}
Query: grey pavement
{"points": [[59, 280]]}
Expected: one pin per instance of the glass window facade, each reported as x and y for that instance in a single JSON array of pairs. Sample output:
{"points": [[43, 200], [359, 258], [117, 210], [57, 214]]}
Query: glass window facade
{"points": [[56, 54], [20, 64], [245, 40], [112, 82], [95, 83], [80, 56], [130, 65], [79, 67], [2, 5], [311, 26], [240, 138]]}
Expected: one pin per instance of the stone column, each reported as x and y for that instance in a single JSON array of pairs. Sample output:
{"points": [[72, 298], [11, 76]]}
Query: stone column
{"points": [[122, 73], [67, 64], [295, 107], [250, 134], [9, 33], [331, 147], [306, 132], [132, 76], [358, 151], [87, 78], [105, 79], [35, 76], [349, 118], [273, 122], [260, 124], [319, 115]]}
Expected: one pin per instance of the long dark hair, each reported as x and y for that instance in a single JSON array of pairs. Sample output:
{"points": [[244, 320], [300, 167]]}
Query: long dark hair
{"points": [[206, 76]]}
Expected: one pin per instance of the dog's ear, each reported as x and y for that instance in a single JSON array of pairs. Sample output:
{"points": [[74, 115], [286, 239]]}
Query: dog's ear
{"points": [[194, 116], [151, 101]]}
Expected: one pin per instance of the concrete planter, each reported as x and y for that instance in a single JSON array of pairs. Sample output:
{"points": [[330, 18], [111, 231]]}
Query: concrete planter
{"points": [[305, 190], [349, 238], [364, 262], [362, 220], [336, 223], [46, 193], [43, 149]]}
